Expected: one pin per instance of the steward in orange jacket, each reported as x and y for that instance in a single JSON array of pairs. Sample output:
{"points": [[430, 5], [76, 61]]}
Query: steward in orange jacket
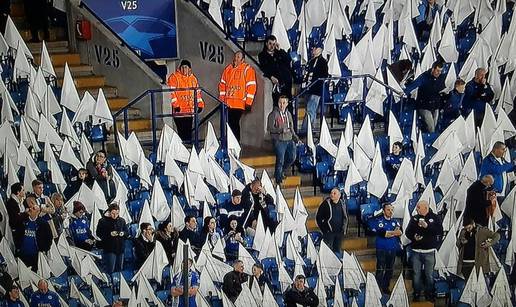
{"points": [[183, 101], [237, 89]]}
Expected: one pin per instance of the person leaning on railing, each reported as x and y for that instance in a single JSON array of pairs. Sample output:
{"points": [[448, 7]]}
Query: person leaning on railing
{"points": [[183, 102]]}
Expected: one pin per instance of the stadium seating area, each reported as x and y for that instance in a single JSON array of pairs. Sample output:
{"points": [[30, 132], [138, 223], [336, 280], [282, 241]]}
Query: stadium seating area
{"points": [[57, 128]]}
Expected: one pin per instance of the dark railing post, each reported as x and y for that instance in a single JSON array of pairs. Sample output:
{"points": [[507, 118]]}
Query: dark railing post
{"points": [[296, 112], [196, 120], [223, 120], [364, 95], [126, 124], [153, 121], [321, 103], [184, 276]]}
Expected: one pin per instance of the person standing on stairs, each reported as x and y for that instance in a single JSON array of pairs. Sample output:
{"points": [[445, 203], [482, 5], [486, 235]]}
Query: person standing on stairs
{"points": [[332, 219], [316, 69], [281, 127], [36, 12], [183, 101], [237, 88]]}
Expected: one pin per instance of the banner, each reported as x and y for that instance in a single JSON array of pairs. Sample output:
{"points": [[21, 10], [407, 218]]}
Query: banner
{"points": [[146, 26]]}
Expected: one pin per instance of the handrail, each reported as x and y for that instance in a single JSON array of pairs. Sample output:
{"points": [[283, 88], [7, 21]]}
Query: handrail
{"points": [[154, 116]]}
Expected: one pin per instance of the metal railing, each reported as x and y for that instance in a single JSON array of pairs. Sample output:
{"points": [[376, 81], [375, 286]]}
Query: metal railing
{"points": [[197, 121], [390, 91]]}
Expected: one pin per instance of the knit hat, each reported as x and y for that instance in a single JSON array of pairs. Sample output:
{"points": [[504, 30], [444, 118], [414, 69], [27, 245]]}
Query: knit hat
{"points": [[186, 62], [78, 206]]}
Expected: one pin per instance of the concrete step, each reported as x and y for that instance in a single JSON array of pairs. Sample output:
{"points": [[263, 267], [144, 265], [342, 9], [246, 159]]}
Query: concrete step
{"points": [[109, 91], [422, 304], [136, 125], [59, 59], [368, 264], [301, 112], [52, 47], [132, 113], [117, 103], [354, 244], [81, 70], [260, 161], [311, 202], [306, 191], [55, 34], [86, 81], [291, 182]]}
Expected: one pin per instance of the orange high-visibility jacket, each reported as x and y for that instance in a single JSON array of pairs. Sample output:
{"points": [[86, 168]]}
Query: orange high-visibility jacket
{"points": [[184, 100], [237, 86]]}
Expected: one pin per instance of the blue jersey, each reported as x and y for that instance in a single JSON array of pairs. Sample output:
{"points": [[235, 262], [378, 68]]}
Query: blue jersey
{"points": [[9, 303], [49, 299], [228, 209], [392, 164], [80, 230], [29, 244], [379, 226], [177, 282]]}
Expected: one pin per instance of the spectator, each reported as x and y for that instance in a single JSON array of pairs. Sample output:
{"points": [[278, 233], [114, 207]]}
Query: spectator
{"points": [[474, 243], [425, 20], [59, 215], [102, 172], [300, 295], [144, 244], [255, 197], [15, 209], [478, 94], [112, 231], [12, 297], [388, 232], [80, 228], [210, 233], [424, 230], [276, 65], [44, 202], [233, 236], [6, 281], [183, 102], [190, 233], [317, 68], [232, 284], [258, 276], [332, 219], [75, 185], [494, 164], [44, 297], [36, 235], [453, 106], [37, 13], [237, 88], [428, 101], [394, 159], [233, 207], [479, 198], [177, 287], [281, 127], [167, 235]]}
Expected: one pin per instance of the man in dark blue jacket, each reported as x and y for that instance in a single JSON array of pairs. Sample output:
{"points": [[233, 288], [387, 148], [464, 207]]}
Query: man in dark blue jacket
{"points": [[428, 102], [478, 94], [424, 230], [44, 297], [495, 165], [388, 232], [453, 107]]}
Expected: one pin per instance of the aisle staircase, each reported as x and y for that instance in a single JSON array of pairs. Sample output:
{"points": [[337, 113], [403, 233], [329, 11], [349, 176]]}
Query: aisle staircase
{"points": [[83, 74]]}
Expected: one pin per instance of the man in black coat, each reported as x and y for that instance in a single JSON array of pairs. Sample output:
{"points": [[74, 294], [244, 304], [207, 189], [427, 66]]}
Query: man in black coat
{"points": [[276, 65], [300, 295], [189, 233], [478, 199], [317, 68], [144, 244], [332, 219], [428, 102], [15, 208], [112, 231], [232, 283], [255, 198]]}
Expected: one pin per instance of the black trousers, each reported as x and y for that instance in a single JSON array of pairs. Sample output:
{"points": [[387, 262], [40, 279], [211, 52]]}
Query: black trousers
{"points": [[234, 116], [184, 127], [37, 17], [333, 240]]}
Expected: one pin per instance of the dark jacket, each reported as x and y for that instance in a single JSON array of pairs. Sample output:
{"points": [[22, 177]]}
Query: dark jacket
{"points": [[232, 284], [169, 244], [107, 185], [294, 297], [276, 65], [258, 203], [453, 106], [142, 250], [324, 216], [280, 129], [491, 166], [481, 254], [431, 235], [193, 236], [477, 203], [112, 244], [15, 216], [315, 69], [428, 97], [477, 96]]}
